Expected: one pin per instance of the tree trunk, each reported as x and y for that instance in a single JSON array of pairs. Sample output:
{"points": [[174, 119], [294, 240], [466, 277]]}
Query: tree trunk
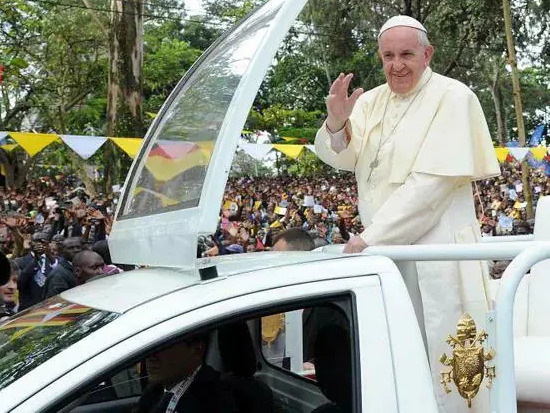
{"points": [[517, 104], [124, 97], [497, 101], [8, 167]]}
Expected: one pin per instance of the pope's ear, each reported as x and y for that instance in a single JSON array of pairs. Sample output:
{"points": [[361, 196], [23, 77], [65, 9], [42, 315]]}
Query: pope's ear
{"points": [[428, 53]]}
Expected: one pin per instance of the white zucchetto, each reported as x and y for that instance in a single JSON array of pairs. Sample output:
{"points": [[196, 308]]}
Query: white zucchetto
{"points": [[397, 21]]}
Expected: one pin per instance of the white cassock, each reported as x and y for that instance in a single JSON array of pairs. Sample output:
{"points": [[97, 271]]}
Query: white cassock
{"points": [[414, 157]]}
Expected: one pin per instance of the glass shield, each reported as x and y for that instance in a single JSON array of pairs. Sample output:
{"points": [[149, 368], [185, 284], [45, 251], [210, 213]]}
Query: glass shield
{"points": [[175, 187]]}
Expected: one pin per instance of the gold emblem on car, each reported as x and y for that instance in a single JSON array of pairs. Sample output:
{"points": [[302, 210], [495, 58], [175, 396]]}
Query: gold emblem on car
{"points": [[468, 363]]}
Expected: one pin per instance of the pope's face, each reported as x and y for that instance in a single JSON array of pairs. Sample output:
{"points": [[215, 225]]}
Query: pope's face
{"points": [[404, 58]]}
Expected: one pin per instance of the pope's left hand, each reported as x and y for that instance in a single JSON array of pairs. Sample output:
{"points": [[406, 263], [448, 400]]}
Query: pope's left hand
{"points": [[355, 244]]}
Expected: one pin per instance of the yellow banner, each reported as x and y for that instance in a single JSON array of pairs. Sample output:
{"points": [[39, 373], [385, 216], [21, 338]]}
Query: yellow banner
{"points": [[502, 154], [292, 151], [33, 143], [8, 147], [129, 145], [539, 153]]}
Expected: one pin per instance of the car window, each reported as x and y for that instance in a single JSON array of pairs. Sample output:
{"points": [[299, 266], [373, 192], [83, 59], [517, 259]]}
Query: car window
{"points": [[307, 353], [39, 333], [289, 339]]}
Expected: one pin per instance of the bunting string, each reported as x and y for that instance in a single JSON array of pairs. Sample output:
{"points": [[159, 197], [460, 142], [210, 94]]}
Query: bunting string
{"points": [[199, 152]]}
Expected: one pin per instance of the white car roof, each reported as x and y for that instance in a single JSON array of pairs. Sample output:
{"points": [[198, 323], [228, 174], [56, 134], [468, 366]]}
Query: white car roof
{"points": [[122, 292]]}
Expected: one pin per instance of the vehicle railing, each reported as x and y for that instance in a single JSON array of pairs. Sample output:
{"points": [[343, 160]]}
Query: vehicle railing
{"points": [[524, 254], [446, 252]]}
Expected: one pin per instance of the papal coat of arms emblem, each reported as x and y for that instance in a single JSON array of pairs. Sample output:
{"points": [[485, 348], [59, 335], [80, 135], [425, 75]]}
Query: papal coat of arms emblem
{"points": [[468, 363]]}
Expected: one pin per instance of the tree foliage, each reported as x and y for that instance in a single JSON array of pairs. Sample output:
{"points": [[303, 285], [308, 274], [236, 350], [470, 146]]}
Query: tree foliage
{"points": [[55, 59]]}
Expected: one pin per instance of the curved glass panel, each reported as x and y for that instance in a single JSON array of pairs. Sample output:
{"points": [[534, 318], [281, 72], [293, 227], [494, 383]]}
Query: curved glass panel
{"points": [[171, 173]]}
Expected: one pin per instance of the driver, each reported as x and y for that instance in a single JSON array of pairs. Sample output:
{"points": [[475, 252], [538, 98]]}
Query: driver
{"points": [[181, 381]]}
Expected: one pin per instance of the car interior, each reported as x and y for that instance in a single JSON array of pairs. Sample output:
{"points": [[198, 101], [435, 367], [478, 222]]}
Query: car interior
{"points": [[255, 361]]}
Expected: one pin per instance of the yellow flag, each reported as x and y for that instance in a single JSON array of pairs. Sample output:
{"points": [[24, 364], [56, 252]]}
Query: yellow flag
{"points": [[292, 151], [33, 143], [8, 147], [502, 154], [129, 145], [539, 153]]}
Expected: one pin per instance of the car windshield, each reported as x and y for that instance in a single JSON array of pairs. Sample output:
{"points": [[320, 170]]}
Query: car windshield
{"points": [[41, 332]]}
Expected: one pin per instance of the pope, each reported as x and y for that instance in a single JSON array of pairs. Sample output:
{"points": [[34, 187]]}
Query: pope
{"points": [[415, 144]]}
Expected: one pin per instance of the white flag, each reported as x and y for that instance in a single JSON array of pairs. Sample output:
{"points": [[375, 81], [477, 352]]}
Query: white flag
{"points": [[311, 148], [519, 153], [256, 150], [84, 146]]}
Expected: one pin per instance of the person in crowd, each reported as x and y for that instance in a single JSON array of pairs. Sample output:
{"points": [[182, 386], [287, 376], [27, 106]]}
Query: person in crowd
{"points": [[102, 248], [293, 239], [5, 269], [180, 378], [87, 265], [35, 269], [62, 277], [8, 293], [392, 137]]}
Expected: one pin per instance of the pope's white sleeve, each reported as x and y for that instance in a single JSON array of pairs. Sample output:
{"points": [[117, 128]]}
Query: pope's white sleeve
{"points": [[412, 210], [338, 140], [333, 149]]}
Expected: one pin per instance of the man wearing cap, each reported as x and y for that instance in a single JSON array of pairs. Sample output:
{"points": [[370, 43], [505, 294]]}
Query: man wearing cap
{"points": [[415, 144]]}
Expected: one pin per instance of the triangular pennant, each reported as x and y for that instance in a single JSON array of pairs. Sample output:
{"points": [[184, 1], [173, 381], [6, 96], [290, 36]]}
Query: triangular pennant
{"points": [[311, 148], [3, 136], [84, 146], [519, 153], [33, 143], [502, 154], [129, 145], [292, 151], [8, 147], [539, 153], [256, 150]]}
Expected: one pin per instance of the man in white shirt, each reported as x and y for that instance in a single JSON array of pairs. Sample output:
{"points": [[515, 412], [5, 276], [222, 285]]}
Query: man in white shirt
{"points": [[415, 144]]}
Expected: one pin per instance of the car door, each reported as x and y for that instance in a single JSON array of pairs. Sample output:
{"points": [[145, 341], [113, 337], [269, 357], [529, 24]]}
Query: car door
{"points": [[374, 377]]}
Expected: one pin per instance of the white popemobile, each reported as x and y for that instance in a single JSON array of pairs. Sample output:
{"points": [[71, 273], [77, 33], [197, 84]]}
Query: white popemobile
{"points": [[82, 351]]}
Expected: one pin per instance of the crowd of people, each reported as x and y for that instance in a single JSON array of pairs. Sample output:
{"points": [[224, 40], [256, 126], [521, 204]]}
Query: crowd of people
{"points": [[501, 204], [44, 227], [255, 210], [55, 235]]}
